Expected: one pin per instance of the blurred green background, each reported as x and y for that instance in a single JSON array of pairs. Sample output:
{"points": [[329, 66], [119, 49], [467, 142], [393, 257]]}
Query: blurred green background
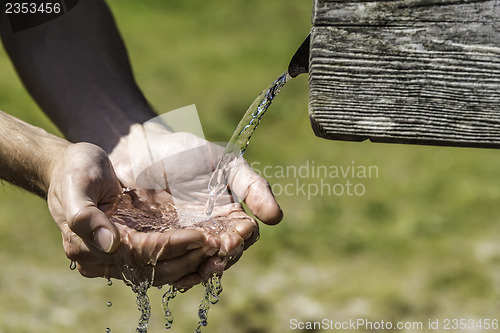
{"points": [[422, 242]]}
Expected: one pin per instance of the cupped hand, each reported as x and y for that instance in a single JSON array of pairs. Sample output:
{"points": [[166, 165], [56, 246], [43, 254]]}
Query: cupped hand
{"points": [[83, 189], [178, 166]]}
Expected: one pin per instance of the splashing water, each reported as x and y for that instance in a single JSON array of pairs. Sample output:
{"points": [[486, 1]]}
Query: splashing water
{"points": [[240, 140], [213, 289]]}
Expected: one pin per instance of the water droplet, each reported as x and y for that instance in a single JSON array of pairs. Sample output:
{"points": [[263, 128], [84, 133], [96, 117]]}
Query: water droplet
{"points": [[109, 304], [110, 283], [108, 330], [72, 265]]}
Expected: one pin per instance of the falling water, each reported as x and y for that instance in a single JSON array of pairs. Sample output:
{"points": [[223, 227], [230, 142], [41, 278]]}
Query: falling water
{"points": [[167, 297], [213, 289], [140, 284], [240, 140]]}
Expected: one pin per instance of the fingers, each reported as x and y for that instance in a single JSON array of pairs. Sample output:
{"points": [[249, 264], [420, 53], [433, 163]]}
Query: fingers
{"points": [[231, 244], [248, 230], [213, 265], [184, 271], [256, 193], [178, 242], [181, 257], [176, 254], [169, 271], [152, 247], [188, 281]]}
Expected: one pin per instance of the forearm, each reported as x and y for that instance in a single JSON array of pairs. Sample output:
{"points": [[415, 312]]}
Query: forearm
{"points": [[27, 154], [77, 69]]}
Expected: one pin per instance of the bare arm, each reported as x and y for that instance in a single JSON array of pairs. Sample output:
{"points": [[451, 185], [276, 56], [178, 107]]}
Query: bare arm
{"points": [[77, 69], [27, 154]]}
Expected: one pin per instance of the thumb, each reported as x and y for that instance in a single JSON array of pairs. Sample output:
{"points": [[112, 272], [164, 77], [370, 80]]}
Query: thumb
{"points": [[261, 202], [256, 193], [93, 226], [84, 181]]}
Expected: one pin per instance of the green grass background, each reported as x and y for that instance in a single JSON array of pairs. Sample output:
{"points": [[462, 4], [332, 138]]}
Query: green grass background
{"points": [[421, 243]]}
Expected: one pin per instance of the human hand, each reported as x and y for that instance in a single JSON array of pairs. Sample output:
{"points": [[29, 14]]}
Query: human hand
{"points": [[182, 163], [83, 189]]}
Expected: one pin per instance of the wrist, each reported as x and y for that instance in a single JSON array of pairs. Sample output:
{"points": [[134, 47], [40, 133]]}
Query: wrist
{"points": [[55, 148]]}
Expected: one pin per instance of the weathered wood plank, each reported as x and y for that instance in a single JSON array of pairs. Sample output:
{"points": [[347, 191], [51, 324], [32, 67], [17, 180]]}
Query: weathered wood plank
{"points": [[408, 71]]}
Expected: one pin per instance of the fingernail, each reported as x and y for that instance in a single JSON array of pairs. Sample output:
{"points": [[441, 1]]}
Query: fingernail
{"points": [[103, 239], [194, 245]]}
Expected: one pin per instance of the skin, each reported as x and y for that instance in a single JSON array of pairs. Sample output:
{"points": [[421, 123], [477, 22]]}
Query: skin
{"points": [[76, 68]]}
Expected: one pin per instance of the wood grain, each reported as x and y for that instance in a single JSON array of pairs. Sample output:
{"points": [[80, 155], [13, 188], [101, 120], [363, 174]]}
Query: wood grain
{"points": [[406, 71]]}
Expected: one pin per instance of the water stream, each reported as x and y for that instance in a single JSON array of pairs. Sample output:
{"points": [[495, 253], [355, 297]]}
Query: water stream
{"points": [[140, 280], [240, 140], [213, 289], [167, 297]]}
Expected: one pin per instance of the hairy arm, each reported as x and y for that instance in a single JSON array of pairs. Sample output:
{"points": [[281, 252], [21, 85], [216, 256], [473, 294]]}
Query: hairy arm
{"points": [[77, 70], [27, 154]]}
